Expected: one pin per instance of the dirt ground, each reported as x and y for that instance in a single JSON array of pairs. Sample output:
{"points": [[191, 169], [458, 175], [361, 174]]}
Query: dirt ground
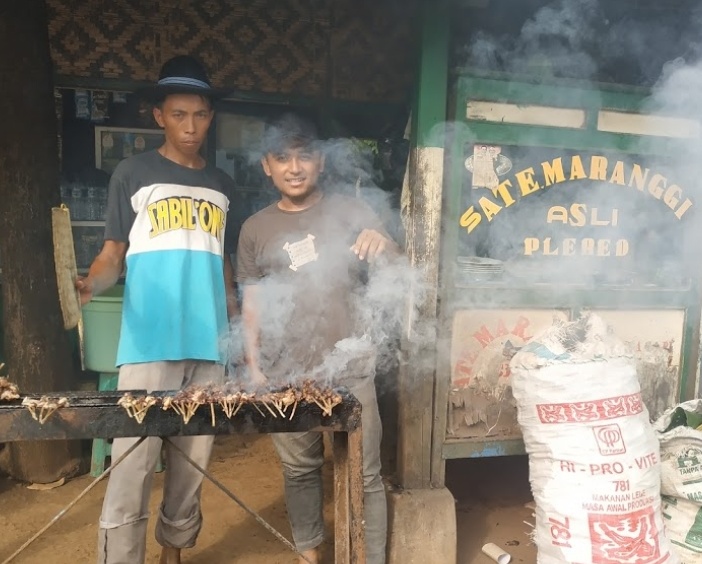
{"points": [[490, 498]]}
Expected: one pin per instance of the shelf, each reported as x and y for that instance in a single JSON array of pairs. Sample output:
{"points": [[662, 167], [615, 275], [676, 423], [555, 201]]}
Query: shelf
{"points": [[563, 296], [482, 447], [81, 223]]}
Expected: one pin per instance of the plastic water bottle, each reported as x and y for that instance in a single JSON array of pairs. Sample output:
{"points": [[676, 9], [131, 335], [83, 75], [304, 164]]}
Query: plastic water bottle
{"points": [[92, 212], [102, 203], [66, 194], [78, 209]]}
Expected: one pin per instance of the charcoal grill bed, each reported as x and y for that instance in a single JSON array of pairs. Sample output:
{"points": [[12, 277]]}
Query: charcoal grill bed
{"points": [[93, 415]]}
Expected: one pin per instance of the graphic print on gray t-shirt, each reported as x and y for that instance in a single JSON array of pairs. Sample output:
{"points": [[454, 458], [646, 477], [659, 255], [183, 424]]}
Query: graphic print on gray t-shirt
{"points": [[308, 277], [301, 252]]}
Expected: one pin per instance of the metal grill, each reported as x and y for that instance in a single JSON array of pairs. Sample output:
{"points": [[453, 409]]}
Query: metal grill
{"points": [[91, 415]]}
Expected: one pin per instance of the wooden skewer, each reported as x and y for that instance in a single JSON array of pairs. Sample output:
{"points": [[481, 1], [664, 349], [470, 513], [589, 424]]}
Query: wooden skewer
{"points": [[238, 407], [258, 408], [212, 413], [265, 403]]}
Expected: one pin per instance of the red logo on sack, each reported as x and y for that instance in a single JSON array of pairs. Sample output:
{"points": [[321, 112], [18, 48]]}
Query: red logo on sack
{"points": [[589, 411], [609, 439], [625, 539]]}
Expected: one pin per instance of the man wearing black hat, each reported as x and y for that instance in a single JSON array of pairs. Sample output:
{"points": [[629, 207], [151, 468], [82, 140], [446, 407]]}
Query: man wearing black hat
{"points": [[167, 220], [302, 263]]}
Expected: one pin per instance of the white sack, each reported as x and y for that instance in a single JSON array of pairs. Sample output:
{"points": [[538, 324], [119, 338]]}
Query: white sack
{"points": [[593, 456]]}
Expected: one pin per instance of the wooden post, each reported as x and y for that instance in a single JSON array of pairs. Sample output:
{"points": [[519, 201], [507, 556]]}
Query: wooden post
{"points": [[349, 534], [37, 348], [342, 535], [417, 373], [356, 497]]}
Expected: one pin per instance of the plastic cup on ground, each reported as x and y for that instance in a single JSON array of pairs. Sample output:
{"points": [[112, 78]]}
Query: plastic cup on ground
{"points": [[497, 554]]}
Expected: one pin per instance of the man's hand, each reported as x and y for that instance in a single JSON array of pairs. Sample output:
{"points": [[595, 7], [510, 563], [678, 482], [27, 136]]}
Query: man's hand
{"points": [[84, 285], [257, 378], [371, 244], [104, 272]]}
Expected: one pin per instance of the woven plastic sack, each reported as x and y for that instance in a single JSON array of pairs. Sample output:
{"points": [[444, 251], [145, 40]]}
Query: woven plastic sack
{"points": [[683, 526], [681, 451], [594, 458]]}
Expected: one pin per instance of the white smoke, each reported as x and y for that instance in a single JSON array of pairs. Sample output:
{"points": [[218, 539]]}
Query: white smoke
{"points": [[378, 304]]}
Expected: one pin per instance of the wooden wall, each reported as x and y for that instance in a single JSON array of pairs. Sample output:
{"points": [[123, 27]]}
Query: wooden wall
{"points": [[358, 50]]}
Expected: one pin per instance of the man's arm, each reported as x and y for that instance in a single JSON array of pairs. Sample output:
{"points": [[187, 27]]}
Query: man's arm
{"points": [[251, 330], [104, 272], [373, 240], [230, 288]]}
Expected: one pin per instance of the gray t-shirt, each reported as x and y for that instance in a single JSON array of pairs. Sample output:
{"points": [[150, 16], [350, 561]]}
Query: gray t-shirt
{"points": [[153, 168], [310, 285]]}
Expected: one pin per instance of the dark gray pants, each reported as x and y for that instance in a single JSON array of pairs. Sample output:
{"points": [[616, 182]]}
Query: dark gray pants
{"points": [[302, 456]]}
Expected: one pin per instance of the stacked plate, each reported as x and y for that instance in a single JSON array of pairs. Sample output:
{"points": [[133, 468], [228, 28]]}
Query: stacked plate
{"points": [[480, 268]]}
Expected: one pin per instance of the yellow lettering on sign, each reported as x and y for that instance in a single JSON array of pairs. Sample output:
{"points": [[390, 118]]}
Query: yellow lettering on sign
{"points": [[587, 247], [577, 211], [618, 174], [603, 248], [553, 171], [490, 209], [571, 246], [548, 251], [657, 185], [531, 245], [596, 221], [527, 184], [557, 213], [638, 177], [598, 168], [686, 205], [622, 248], [568, 247], [471, 219], [577, 171], [672, 196], [504, 194]]}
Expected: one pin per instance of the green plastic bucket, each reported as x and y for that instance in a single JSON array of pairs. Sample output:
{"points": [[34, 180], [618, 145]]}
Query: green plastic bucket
{"points": [[102, 320]]}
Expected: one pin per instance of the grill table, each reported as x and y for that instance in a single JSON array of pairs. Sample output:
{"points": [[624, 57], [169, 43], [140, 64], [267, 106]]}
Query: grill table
{"points": [[92, 415]]}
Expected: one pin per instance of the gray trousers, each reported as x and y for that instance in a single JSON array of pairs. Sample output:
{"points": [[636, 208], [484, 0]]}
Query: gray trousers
{"points": [[125, 510], [302, 456]]}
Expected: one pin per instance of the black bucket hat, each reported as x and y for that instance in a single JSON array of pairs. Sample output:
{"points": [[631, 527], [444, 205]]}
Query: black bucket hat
{"points": [[182, 74]]}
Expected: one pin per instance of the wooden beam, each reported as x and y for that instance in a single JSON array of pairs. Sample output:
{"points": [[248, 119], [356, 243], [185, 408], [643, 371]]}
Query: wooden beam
{"points": [[417, 372]]}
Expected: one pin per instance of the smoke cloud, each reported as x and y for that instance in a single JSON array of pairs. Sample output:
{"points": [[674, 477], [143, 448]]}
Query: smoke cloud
{"points": [[597, 46], [378, 305]]}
